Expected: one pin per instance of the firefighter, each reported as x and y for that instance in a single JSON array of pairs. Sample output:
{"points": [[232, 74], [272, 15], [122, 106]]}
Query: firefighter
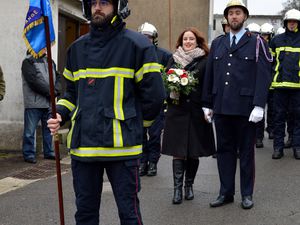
{"points": [[113, 87], [254, 28], [234, 95], [152, 134], [286, 49], [225, 25], [267, 32]]}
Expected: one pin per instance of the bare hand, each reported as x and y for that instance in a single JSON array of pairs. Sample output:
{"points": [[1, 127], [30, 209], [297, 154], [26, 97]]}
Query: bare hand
{"points": [[54, 124]]}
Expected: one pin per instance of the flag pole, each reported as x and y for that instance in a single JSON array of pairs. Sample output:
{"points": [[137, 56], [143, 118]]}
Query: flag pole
{"points": [[53, 112]]}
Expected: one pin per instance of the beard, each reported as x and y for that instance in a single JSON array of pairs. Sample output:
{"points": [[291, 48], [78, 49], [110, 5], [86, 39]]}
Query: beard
{"points": [[235, 26], [100, 20]]}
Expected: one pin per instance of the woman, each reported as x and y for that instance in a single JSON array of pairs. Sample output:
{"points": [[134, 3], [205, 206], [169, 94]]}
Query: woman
{"points": [[187, 136]]}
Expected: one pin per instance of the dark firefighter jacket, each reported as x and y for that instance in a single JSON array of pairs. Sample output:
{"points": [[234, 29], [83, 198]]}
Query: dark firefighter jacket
{"points": [[286, 52], [113, 88], [234, 82]]}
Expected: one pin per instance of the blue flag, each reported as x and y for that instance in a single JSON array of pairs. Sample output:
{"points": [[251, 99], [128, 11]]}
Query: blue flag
{"points": [[34, 32]]}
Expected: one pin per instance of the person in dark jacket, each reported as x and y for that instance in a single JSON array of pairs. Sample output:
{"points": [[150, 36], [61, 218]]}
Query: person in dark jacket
{"points": [[114, 87], [236, 83], [2, 85], [286, 83], [152, 134], [36, 94], [187, 136]]}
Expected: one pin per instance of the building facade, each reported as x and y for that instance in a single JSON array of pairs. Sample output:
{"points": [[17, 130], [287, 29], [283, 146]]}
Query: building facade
{"points": [[169, 16]]}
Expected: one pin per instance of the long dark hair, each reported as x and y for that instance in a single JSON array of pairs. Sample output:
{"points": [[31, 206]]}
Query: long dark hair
{"points": [[199, 37]]}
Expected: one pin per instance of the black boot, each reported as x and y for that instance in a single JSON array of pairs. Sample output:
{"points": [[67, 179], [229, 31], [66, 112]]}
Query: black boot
{"points": [[288, 143], [178, 172], [143, 170], [191, 170]]}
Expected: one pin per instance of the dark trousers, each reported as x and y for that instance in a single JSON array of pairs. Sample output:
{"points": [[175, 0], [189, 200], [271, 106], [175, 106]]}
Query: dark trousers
{"points": [[286, 101], [235, 133], [270, 112], [125, 182], [152, 140], [260, 129]]}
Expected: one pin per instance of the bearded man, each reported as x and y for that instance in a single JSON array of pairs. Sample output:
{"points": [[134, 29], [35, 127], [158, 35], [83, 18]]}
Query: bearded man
{"points": [[235, 91]]}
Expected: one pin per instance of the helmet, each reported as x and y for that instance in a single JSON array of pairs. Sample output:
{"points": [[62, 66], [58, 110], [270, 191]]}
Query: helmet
{"points": [[292, 14], [280, 30], [224, 21], [254, 28], [235, 3], [150, 30], [267, 28], [121, 6]]}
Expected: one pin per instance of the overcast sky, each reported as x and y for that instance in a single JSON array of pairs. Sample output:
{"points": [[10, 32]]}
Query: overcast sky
{"points": [[257, 7]]}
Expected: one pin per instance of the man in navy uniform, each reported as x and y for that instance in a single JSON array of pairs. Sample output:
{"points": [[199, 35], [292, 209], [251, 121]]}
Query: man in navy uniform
{"points": [[114, 86], [152, 134], [236, 84], [286, 83]]}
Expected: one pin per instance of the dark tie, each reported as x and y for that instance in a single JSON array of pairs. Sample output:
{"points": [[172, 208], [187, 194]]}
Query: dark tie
{"points": [[233, 44]]}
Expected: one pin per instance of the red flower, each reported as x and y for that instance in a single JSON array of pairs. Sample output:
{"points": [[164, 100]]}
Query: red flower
{"points": [[184, 75], [170, 72]]}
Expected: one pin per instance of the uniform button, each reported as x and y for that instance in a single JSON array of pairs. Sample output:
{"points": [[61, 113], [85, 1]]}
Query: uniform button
{"points": [[230, 55], [229, 64], [188, 100], [216, 57], [227, 73], [226, 83], [246, 57]]}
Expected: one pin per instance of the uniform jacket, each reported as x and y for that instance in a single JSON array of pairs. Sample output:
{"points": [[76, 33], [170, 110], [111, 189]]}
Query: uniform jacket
{"points": [[163, 56], [286, 51], [36, 88], [113, 86], [234, 82], [186, 133], [2, 85]]}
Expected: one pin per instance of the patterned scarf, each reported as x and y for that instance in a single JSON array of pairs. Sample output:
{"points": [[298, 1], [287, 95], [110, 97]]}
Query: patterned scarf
{"points": [[185, 57]]}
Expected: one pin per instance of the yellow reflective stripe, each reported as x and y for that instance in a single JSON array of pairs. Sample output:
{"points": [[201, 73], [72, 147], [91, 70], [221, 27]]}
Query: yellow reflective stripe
{"points": [[69, 105], [285, 84], [68, 74], [104, 73], [147, 123], [147, 68], [118, 98], [69, 136], [106, 151], [117, 133], [276, 68], [287, 49]]}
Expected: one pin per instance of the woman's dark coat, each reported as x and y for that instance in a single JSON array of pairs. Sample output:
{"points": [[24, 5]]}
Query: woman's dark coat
{"points": [[186, 133]]}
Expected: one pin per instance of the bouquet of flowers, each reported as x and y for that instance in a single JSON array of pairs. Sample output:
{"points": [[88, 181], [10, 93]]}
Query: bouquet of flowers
{"points": [[179, 81]]}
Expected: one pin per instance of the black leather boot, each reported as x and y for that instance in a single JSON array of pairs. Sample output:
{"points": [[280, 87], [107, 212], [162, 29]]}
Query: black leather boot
{"points": [[143, 170], [190, 174], [178, 173], [288, 143]]}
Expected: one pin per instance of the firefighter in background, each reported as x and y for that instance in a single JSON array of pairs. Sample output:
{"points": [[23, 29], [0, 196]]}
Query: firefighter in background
{"points": [[113, 87], [289, 121], [254, 28], [225, 25], [267, 32], [260, 126], [152, 134], [286, 49]]}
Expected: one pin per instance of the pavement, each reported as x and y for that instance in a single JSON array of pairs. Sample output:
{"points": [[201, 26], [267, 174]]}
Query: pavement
{"points": [[276, 195]]}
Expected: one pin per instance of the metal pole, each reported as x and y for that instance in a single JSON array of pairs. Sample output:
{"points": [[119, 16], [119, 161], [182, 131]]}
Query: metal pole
{"points": [[53, 111]]}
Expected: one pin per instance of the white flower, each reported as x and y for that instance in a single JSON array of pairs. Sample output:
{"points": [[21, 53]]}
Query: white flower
{"points": [[178, 71], [184, 81], [173, 78]]}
